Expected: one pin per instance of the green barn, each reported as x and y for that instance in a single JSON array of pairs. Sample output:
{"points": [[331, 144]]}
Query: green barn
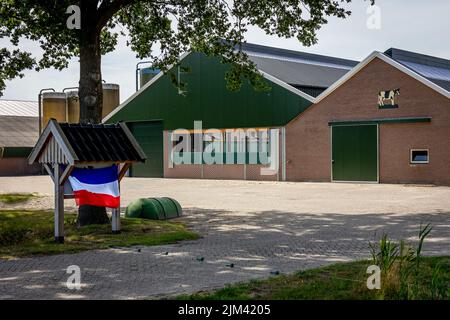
{"points": [[159, 107]]}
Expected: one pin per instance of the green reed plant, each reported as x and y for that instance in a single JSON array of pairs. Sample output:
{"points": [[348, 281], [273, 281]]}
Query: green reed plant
{"points": [[400, 265]]}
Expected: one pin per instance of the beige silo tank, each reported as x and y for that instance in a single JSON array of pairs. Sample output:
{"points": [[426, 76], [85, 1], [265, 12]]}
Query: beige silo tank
{"points": [[53, 106], [111, 98], [73, 107]]}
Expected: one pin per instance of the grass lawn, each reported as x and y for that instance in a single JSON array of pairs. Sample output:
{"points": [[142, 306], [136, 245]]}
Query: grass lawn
{"points": [[12, 198], [338, 281], [24, 233]]}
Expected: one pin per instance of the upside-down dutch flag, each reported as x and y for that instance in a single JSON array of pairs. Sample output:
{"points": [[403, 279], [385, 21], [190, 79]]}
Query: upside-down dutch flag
{"points": [[96, 187]]}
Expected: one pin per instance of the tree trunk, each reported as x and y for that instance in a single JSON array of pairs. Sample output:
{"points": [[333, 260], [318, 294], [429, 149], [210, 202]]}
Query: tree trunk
{"points": [[90, 86], [90, 91], [91, 215]]}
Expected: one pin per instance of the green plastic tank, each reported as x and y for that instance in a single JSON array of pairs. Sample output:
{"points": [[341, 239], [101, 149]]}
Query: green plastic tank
{"points": [[154, 208], [134, 209]]}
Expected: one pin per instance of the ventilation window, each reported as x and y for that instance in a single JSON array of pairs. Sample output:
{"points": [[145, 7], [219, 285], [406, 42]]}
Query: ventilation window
{"points": [[419, 156]]}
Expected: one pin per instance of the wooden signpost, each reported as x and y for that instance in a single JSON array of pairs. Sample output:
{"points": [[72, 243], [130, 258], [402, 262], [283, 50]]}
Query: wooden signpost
{"points": [[63, 147]]}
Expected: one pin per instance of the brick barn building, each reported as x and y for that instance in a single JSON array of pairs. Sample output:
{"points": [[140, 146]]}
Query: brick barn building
{"points": [[347, 136]]}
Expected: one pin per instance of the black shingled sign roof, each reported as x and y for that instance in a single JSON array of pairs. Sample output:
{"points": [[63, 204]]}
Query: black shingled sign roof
{"points": [[100, 142]]}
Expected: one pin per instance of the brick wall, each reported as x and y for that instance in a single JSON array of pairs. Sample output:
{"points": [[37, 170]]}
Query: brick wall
{"points": [[18, 167]]}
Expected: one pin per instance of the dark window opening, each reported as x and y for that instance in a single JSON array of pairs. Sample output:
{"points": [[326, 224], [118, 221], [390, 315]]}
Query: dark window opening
{"points": [[419, 156]]}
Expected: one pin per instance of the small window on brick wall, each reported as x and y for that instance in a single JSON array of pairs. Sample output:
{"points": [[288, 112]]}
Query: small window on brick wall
{"points": [[419, 156]]}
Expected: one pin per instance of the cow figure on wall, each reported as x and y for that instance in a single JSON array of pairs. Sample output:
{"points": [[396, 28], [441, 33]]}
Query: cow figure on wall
{"points": [[388, 95]]}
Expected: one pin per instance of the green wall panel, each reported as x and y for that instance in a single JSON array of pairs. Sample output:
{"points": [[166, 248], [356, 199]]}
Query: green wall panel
{"points": [[208, 100], [149, 135], [15, 152]]}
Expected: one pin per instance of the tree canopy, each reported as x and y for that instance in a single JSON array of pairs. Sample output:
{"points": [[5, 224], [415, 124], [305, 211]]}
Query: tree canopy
{"points": [[215, 27]]}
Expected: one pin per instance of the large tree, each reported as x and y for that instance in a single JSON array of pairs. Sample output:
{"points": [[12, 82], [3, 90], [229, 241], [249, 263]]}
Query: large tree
{"points": [[214, 27]]}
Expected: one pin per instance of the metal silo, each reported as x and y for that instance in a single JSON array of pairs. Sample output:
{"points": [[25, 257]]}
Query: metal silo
{"points": [[53, 106], [73, 107], [146, 74], [111, 98]]}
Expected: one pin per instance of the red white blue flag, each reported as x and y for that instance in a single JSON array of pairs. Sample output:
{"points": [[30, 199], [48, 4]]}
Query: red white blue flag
{"points": [[96, 187]]}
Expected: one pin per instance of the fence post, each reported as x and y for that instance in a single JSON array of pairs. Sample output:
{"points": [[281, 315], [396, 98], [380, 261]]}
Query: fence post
{"points": [[59, 205]]}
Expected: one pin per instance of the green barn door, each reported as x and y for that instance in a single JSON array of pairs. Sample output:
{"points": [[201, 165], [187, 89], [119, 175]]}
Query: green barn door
{"points": [[149, 134], [355, 153]]}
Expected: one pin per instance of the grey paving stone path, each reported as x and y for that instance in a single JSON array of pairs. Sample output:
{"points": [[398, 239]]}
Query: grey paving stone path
{"points": [[280, 241], [249, 233]]}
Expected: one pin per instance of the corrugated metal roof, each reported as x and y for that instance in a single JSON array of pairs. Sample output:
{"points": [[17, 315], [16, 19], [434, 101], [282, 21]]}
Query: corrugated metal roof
{"points": [[18, 131], [19, 108], [429, 71], [441, 83], [302, 57], [434, 69], [299, 74], [298, 68]]}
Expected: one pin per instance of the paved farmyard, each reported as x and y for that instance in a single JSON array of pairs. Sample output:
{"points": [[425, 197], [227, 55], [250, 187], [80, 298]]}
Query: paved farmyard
{"points": [[248, 226]]}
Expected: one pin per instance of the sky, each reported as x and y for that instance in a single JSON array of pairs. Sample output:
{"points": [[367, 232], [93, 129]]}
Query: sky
{"points": [[413, 25]]}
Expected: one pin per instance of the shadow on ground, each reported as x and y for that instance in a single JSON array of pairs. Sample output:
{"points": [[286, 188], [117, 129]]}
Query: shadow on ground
{"points": [[256, 243]]}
